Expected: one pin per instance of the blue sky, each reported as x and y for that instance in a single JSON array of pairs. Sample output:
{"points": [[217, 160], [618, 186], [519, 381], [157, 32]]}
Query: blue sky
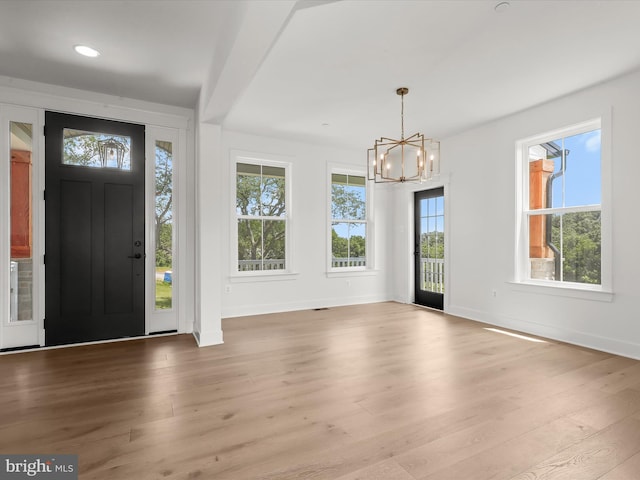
{"points": [[582, 178], [432, 215]]}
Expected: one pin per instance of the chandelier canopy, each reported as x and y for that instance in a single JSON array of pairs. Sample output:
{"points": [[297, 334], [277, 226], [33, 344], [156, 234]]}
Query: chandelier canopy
{"points": [[411, 159]]}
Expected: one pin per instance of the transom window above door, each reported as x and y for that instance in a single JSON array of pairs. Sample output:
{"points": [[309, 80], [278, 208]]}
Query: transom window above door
{"points": [[96, 150]]}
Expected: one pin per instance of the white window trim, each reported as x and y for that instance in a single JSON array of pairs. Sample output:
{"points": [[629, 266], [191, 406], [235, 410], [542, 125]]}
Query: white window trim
{"points": [[261, 275], [369, 268], [23, 332], [160, 320], [522, 280]]}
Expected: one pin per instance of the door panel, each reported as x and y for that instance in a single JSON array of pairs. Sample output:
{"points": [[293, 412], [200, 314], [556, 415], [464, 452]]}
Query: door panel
{"points": [[118, 217], [94, 272], [75, 249], [429, 248]]}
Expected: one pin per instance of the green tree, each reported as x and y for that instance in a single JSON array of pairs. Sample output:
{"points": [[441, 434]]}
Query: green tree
{"points": [[347, 202], [163, 250], [357, 246], [432, 245], [164, 204], [80, 148], [579, 234], [260, 192], [339, 245]]}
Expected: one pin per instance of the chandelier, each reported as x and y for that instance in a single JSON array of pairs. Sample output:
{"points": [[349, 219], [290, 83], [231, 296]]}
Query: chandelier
{"points": [[411, 159]]}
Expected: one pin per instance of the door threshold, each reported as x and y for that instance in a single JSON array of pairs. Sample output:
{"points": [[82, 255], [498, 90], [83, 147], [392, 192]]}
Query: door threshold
{"points": [[37, 348], [429, 308]]}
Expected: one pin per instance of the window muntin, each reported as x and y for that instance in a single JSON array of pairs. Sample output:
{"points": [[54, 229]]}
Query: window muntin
{"points": [[261, 211], [563, 214], [348, 221]]}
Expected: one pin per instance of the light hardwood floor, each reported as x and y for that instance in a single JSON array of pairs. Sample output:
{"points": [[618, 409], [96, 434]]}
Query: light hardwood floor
{"points": [[383, 391]]}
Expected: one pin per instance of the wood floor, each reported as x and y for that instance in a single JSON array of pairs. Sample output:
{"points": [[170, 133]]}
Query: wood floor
{"points": [[383, 391]]}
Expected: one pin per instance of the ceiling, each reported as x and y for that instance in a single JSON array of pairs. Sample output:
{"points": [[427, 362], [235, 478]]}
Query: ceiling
{"points": [[323, 70]]}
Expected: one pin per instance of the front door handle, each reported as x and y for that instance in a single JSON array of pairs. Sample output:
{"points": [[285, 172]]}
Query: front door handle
{"points": [[137, 255]]}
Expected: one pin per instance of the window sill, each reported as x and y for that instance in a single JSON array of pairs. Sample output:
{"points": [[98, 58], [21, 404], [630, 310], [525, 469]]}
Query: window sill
{"points": [[586, 293], [262, 277], [347, 272]]}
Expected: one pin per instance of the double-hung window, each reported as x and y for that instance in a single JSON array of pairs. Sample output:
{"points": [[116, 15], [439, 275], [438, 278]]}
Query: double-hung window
{"points": [[349, 225], [562, 223], [262, 215]]}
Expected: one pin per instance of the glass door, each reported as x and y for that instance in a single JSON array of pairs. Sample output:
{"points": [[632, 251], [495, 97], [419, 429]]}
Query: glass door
{"points": [[429, 248]]}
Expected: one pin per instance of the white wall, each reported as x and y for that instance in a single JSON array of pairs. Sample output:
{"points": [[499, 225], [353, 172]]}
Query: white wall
{"points": [[207, 327], [482, 196], [310, 287]]}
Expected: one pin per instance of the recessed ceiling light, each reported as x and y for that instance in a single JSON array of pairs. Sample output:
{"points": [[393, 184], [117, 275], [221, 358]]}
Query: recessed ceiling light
{"points": [[502, 7], [86, 51]]}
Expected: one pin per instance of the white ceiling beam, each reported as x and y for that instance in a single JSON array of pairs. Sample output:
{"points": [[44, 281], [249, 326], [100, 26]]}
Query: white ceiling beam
{"points": [[250, 35]]}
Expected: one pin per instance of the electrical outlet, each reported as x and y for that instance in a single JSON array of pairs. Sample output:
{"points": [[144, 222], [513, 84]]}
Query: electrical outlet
{"points": [[227, 288]]}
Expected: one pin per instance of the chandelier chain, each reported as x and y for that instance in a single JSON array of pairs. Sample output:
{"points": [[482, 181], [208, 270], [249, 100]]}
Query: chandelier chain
{"points": [[402, 116]]}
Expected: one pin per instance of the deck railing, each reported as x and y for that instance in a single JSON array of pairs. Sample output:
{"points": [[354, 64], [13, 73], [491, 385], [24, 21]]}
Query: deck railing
{"points": [[432, 274], [279, 264], [258, 265], [348, 262], [431, 269]]}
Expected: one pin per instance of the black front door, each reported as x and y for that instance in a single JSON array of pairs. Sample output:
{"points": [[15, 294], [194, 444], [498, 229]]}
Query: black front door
{"points": [[429, 247], [94, 229]]}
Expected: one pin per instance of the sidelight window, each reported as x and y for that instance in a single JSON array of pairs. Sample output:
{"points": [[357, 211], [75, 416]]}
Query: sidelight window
{"points": [[21, 187], [164, 224]]}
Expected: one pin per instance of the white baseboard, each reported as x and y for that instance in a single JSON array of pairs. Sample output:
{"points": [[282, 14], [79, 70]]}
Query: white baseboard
{"points": [[245, 310], [207, 339], [604, 344]]}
